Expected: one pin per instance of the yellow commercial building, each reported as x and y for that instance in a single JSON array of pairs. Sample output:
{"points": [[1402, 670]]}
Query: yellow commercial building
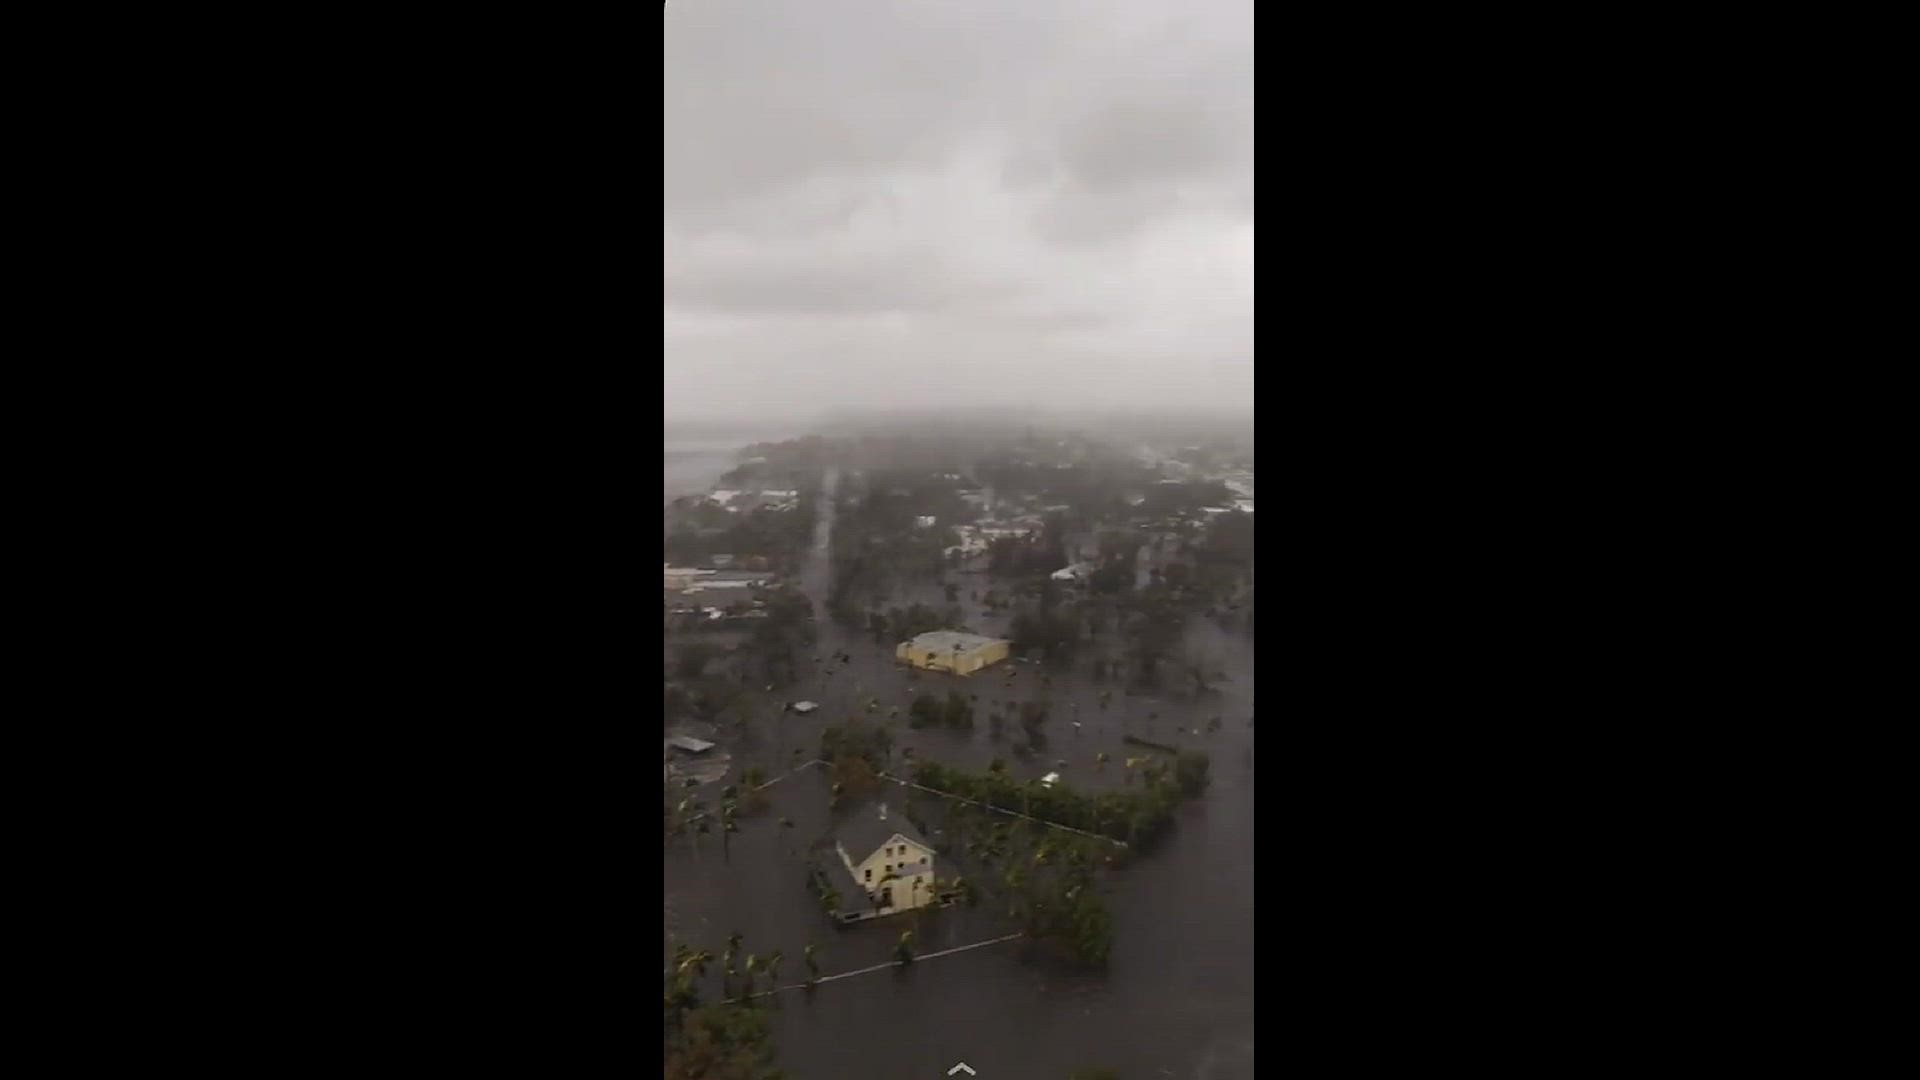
{"points": [[950, 650]]}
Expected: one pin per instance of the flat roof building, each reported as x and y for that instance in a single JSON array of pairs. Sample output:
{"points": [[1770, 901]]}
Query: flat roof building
{"points": [[953, 651]]}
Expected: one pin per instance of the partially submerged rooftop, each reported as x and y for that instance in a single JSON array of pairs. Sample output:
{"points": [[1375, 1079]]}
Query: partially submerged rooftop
{"points": [[949, 640]]}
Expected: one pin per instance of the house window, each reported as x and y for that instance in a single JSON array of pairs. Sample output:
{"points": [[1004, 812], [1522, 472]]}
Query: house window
{"points": [[889, 868], [923, 860], [869, 873]]}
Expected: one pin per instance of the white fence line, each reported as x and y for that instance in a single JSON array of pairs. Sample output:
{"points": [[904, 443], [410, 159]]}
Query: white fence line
{"points": [[942, 794], [883, 967], [999, 810]]}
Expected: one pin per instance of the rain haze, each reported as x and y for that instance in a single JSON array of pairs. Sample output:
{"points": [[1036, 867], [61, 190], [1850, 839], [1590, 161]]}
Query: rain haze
{"points": [[878, 206]]}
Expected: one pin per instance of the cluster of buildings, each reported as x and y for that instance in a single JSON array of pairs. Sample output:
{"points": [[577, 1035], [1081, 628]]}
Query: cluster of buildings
{"points": [[689, 617], [975, 539], [996, 519], [1237, 479], [1240, 482], [698, 595], [734, 501], [695, 579]]}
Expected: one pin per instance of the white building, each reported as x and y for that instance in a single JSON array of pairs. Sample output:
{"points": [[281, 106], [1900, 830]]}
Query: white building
{"points": [[681, 577]]}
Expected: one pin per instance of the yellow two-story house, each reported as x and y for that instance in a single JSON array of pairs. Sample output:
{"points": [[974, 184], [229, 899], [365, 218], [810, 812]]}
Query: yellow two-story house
{"points": [[886, 860]]}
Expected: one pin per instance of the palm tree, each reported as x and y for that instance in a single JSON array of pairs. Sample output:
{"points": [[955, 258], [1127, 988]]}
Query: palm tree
{"points": [[773, 968], [680, 996], [684, 815], [727, 829], [810, 954], [693, 963], [903, 952], [677, 819], [1079, 860], [729, 967], [1100, 760], [746, 988]]}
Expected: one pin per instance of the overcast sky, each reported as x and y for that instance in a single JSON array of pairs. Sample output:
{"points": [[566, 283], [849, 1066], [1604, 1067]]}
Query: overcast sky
{"points": [[914, 203]]}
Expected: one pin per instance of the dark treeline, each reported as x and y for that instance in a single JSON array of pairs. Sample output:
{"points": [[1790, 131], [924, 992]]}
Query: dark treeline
{"points": [[1138, 816]]}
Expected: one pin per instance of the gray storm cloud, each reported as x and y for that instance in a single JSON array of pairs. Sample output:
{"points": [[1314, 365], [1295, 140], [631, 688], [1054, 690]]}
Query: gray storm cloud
{"points": [[916, 205]]}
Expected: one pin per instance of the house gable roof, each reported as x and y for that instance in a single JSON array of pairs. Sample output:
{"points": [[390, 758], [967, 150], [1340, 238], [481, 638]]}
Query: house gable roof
{"points": [[865, 832]]}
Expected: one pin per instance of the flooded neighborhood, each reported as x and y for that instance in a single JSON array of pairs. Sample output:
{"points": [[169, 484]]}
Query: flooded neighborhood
{"points": [[806, 712], [958, 605]]}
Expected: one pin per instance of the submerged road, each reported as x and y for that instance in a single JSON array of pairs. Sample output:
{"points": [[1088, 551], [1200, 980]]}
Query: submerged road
{"points": [[816, 574]]}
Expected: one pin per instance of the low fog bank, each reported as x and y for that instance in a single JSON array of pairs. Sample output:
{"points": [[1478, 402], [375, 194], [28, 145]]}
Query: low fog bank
{"points": [[1117, 425]]}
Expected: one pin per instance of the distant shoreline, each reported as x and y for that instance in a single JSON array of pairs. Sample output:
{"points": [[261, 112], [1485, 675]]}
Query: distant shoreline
{"points": [[694, 467]]}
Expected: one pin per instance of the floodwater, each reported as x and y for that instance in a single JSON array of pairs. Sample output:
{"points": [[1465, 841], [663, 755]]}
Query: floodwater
{"points": [[694, 466], [1177, 997], [697, 456]]}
